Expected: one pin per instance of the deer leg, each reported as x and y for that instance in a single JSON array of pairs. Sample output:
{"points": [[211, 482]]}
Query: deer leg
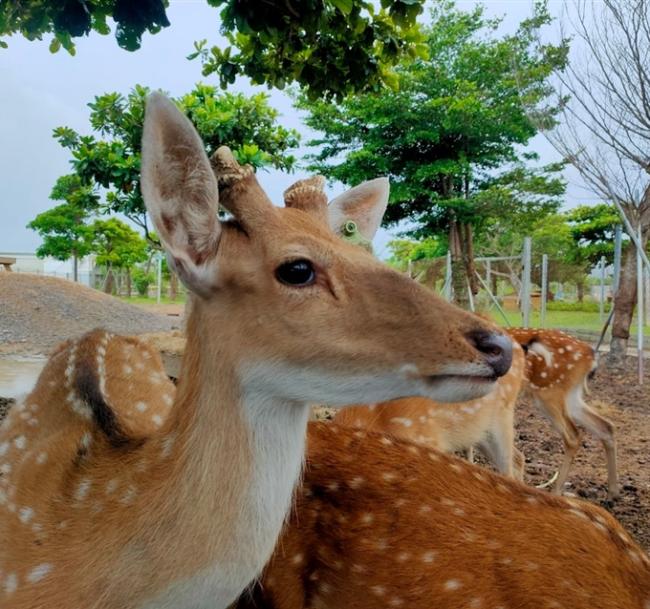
{"points": [[518, 464], [469, 454], [555, 407], [604, 431], [500, 445], [499, 451], [571, 438], [612, 474]]}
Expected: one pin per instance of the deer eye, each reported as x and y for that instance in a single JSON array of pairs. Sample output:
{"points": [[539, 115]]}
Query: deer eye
{"points": [[297, 273]]}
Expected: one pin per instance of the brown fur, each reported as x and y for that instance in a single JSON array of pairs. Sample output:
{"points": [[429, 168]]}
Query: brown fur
{"points": [[382, 523]]}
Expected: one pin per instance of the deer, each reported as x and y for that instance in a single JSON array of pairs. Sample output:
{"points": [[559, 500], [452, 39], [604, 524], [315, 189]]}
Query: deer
{"points": [[101, 513], [486, 421], [383, 522], [557, 368]]}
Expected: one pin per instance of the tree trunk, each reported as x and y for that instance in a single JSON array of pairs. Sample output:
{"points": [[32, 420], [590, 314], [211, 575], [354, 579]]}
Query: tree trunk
{"points": [[580, 286], [147, 268], [128, 282], [458, 277], [468, 257], [109, 283], [463, 270], [624, 303], [173, 286], [625, 297], [75, 268]]}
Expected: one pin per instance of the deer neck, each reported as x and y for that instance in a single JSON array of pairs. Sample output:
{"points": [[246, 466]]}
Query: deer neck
{"points": [[237, 458]]}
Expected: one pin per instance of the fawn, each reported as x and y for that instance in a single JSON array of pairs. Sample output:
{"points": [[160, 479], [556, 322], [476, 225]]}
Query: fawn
{"points": [[98, 512], [380, 522], [557, 369]]}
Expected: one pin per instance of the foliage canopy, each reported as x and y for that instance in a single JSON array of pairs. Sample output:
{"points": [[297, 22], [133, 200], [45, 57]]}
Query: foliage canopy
{"points": [[330, 47], [450, 137], [116, 244], [63, 228], [110, 158]]}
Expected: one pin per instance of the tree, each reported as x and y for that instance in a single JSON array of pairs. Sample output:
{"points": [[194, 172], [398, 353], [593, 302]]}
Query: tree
{"points": [[63, 228], [423, 259], [110, 160], [450, 137], [116, 246], [331, 47], [605, 127], [593, 228], [567, 258]]}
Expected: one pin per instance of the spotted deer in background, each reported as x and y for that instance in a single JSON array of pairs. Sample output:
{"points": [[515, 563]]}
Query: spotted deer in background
{"points": [[486, 421], [99, 512], [557, 369], [380, 522]]}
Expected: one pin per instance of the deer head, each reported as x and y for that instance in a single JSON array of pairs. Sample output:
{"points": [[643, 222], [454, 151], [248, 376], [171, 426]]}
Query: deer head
{"points": [[315, 319]]}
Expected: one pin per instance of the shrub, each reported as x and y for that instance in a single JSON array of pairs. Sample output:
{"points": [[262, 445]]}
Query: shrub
{"points": [[582, 307], [142, 281]]}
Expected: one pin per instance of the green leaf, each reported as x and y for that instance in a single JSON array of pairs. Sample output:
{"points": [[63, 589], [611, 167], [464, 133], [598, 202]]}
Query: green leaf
{"points": [[345, 6]]}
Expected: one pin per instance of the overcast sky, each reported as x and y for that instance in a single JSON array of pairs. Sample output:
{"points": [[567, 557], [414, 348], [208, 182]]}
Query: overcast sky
{"points": [[41, 91]]}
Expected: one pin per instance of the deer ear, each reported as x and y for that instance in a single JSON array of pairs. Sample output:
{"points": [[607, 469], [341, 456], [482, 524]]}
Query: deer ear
{"points": [[180, 193], [364, 204]]}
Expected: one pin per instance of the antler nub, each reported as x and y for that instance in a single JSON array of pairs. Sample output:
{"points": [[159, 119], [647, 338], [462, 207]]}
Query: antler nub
{"points": [[308, 195], [309, 188], [227, 169]]}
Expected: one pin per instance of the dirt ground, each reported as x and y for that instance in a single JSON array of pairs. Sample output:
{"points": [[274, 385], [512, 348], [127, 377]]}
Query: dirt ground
{"points": [[627, 405]]}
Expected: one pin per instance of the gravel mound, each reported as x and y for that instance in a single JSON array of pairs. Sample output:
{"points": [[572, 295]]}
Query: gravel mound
{"points": [[36, 313]]}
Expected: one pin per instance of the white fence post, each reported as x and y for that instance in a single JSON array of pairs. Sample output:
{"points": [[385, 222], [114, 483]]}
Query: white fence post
{"points": [[542, 311], [639, 305], [159, 278], [601, 304], [525, 283]]}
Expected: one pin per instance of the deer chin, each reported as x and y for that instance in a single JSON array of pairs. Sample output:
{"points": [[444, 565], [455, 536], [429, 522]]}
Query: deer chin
{"points": [[454, 382], [459, 387]]}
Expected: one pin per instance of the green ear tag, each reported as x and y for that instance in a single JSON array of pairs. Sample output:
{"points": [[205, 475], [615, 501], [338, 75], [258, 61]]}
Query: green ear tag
{"points": [[350, 232]]}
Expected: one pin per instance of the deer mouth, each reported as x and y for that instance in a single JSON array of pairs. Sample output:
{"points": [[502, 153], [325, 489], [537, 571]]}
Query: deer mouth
{"points": [[459, 387], [471, 378]]}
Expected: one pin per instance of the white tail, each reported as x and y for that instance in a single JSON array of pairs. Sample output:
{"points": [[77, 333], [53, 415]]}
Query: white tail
{"points": [[487, 421], [558, 367], [383, 523], [101, 513]]}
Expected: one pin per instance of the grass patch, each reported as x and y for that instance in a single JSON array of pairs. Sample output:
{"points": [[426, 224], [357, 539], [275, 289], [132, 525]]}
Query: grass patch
{"points": [[575, 320], [139, 300]]}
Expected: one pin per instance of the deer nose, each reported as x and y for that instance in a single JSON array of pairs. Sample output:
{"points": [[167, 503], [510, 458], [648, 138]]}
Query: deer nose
{"points": [[495, 347]]}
